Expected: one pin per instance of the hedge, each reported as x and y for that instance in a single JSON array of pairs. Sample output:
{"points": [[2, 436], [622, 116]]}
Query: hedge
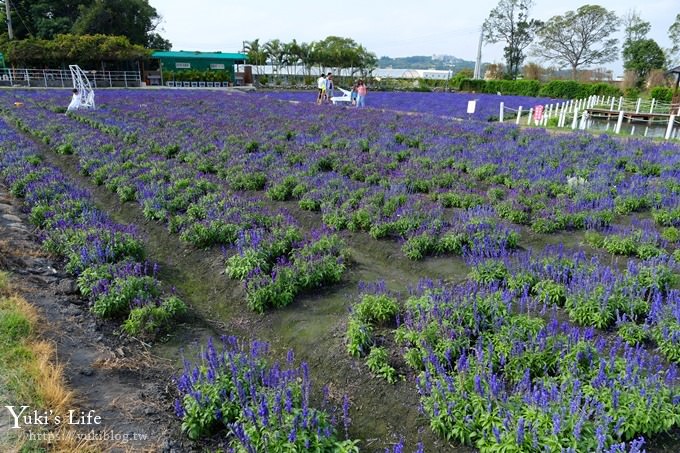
{"points": [[663, 94], [562, 89]]}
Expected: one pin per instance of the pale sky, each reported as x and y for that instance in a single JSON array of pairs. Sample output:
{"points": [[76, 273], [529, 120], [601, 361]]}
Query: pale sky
{"points": [[395, 28]]}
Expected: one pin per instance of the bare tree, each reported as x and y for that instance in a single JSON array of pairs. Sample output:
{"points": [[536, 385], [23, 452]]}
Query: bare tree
{"points": [[579, 38], [674, 35]]}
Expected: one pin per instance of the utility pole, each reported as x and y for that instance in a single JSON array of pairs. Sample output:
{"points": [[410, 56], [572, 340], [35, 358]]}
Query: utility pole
{"points": [[478, 62], [10, 32]]}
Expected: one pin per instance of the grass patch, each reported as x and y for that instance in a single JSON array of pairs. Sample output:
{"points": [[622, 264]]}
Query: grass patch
{"points": [[29, 373]]}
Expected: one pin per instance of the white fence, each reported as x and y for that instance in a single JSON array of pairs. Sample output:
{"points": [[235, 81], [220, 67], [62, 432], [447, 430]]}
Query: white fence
{"points": [[55, 78], [579, 113]]}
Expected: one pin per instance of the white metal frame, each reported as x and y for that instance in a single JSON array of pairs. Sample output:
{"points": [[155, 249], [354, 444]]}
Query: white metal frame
{"points": [[82, 84]]}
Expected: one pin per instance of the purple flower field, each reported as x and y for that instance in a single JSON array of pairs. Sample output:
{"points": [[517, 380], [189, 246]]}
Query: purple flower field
{"points": [[441, 104], [538, 346]]}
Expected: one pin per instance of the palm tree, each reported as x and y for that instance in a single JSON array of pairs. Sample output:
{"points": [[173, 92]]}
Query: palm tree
{"points": [[291, 52], [257, 55], [276, 54]]}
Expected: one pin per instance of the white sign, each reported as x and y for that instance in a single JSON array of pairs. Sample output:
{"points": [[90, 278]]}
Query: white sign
{"points": [[182, 65], [217, 66], [472, 105]]}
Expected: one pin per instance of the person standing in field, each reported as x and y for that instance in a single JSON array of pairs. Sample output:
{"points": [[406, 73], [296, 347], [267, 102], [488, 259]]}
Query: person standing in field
{"points": [[321, 84], [75, 101], [329, 86], [353, 96], [361, 94]]}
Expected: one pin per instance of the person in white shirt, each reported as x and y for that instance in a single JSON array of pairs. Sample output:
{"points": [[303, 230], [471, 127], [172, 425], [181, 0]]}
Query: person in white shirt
{"points": [[75, 101], [321, 84]]}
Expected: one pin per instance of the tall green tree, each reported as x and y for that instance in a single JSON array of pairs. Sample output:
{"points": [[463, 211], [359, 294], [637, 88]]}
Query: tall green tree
{"points": [[43, 19], [343, 53], [642, 57], [135, 19], [579, 38], [277, 54], [509, 22], [257, 54]]}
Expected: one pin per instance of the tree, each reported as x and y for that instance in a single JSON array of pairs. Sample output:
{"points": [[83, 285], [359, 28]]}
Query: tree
{"points": [[634, 27], [257, 55], [674, 35], [277, 55], [509, 22], [640, 55], [579, 38], [42, 19], [86, 50], [135, 19], [643, 56], [342, 53], [45, 19]]}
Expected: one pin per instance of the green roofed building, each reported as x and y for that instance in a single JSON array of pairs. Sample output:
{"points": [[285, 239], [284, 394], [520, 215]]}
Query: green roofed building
{"points": [[194, 66]]}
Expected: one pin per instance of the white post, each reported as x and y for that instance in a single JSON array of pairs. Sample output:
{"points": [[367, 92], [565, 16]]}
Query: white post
{"points": [[651, 108], [611, 107], [500, 115], [563, 118], [519, 115], [574, 123], [531, 113], [619, 122], [637, 107], [620, 102], [669, 129]]}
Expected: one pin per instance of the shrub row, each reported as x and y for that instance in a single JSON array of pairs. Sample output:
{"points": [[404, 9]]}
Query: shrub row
{"points": [[563, 89]]}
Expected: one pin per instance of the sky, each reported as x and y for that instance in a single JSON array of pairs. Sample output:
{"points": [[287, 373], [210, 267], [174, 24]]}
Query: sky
{"points": [[395, 28]]}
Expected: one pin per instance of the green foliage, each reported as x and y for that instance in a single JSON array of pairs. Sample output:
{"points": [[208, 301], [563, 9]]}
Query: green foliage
{"points": [[248, 181], [569, 89], [86, 50], [284, 190], [662, 94], [489, 271], [377, 362], [215, 232], [359, 337], [417, 247], [643, 56], [124, 294], [671, 234], [550, 292], [561, 89], [154, 318], [197, 75], [460, 200], [666, 217], [666, 335], [376, 309], [632, 333]]}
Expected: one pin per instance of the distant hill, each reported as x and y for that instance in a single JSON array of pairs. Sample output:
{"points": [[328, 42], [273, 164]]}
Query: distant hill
{"points": [[426, 62]]}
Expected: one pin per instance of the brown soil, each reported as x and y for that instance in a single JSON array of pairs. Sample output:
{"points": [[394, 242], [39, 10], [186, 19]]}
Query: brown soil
{"points": [[116, 377]]}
